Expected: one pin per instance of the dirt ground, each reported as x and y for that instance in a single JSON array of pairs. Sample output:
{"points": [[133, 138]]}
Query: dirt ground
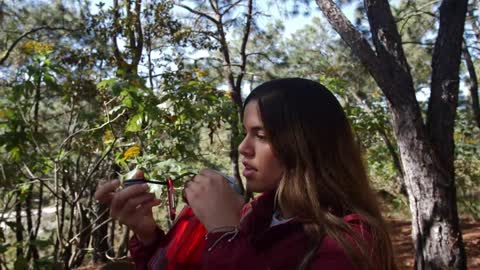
{"points": [[401, 236]]}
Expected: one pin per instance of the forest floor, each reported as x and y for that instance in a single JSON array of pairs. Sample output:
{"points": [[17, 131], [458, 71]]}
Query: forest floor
{"points": [[403, 246], [401, 236]]}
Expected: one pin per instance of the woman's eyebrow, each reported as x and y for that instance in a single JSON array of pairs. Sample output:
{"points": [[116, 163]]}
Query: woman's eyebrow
{"points": [[256, 128]]}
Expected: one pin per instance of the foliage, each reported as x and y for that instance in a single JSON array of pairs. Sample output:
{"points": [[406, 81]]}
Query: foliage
{"points": [[75, 109]]}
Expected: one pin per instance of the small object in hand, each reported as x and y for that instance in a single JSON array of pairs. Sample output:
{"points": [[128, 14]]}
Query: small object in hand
{"points": [[136, 181], [131, 182], [230, 180]]}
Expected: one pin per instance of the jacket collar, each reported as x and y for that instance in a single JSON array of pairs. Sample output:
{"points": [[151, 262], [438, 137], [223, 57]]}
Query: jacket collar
{"points": [[257, 223]]}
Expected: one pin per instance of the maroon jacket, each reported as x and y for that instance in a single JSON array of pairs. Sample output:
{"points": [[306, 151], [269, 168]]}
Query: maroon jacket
{"points": [[259, 246]]}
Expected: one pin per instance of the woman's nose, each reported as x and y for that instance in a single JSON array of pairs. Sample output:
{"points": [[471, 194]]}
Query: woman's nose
{"points": [[245, 148]]}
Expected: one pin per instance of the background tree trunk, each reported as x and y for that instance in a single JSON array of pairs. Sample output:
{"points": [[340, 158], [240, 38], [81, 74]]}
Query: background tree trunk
{"points": [[18, 225], [101, 245], [473, 85], [427, 153]]}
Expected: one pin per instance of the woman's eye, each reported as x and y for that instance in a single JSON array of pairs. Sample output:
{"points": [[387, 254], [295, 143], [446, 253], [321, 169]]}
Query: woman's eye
{"points": [[261, 136]]}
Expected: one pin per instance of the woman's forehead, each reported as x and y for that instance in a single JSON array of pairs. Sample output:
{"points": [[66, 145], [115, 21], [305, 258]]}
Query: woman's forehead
{"points": [[251, 115]]}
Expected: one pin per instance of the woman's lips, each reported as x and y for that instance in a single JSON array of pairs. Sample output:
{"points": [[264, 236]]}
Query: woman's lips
{"points": [[249, 170]]}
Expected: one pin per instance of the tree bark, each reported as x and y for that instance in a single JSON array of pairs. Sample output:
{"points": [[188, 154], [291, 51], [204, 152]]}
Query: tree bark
{"points": [[85, 231], [32, 251], [100, 236], [18, 226], [428, 178], [473, 86], [123, 245], [446, 59], [471, 69]]}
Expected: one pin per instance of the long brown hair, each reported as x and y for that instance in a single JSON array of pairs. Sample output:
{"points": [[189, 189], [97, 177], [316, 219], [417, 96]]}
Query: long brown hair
{"points": [[325, 177]]}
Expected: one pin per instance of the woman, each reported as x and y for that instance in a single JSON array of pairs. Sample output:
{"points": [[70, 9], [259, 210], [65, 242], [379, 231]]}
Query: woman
{"points": [[317, 209]]}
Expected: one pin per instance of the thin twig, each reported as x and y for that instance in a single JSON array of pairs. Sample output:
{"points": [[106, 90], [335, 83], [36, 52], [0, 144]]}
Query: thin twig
{"points": [[92, 129], [31, 176], [93, 222]]}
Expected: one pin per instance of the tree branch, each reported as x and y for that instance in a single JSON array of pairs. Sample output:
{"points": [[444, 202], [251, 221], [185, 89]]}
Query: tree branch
{"points": [[116, 28], [231, 6], [201, 14], [446, 59], [264, 55], [34, 30], [92, 129], [417, 43], [92, 171], [387, 40], [350, 35], [214, 6], [139, 32], [243, 55], [31, 176]]}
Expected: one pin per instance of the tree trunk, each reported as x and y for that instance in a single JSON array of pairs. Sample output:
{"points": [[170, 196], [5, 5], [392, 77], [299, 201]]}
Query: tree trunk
{"points": [[85, 231], [427, 160], [123, 245], [473, 86], [431, 192], [32, 251], [111, 238], [100, 235], [234, 82], [68, 249], [471, 67], [234, 155], [39, 209], [18, 226]]}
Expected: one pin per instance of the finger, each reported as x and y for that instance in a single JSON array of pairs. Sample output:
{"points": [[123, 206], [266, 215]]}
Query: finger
{"points": [[212, 174], [122, 196], [188, 182], [146, 208], [192, 192], [104, 193], [208, 172], [132, 204]]}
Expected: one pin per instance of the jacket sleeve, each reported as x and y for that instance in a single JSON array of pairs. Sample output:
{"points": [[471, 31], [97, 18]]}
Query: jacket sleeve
{"points": [[230, 250], [142, 254]]}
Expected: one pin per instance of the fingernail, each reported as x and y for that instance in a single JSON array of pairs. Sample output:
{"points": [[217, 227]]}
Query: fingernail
{"points": [[116, 182], [146, 186]]}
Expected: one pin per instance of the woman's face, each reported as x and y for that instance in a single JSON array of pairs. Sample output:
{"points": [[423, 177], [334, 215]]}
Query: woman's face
{"points": [[262, 169]]}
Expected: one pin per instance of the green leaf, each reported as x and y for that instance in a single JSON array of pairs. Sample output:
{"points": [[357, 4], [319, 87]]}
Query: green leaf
{"points": [[15, 154], [128, 101], [135, 123], [117, 88], [105, 84]]}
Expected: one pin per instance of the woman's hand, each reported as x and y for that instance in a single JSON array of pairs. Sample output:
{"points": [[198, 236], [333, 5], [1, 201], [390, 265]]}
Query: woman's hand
{"points": [[131, 206], [213, 201]]}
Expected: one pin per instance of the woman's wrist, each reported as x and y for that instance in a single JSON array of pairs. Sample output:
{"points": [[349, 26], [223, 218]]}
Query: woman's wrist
{"points": [[233, 222], [147, 236]]}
